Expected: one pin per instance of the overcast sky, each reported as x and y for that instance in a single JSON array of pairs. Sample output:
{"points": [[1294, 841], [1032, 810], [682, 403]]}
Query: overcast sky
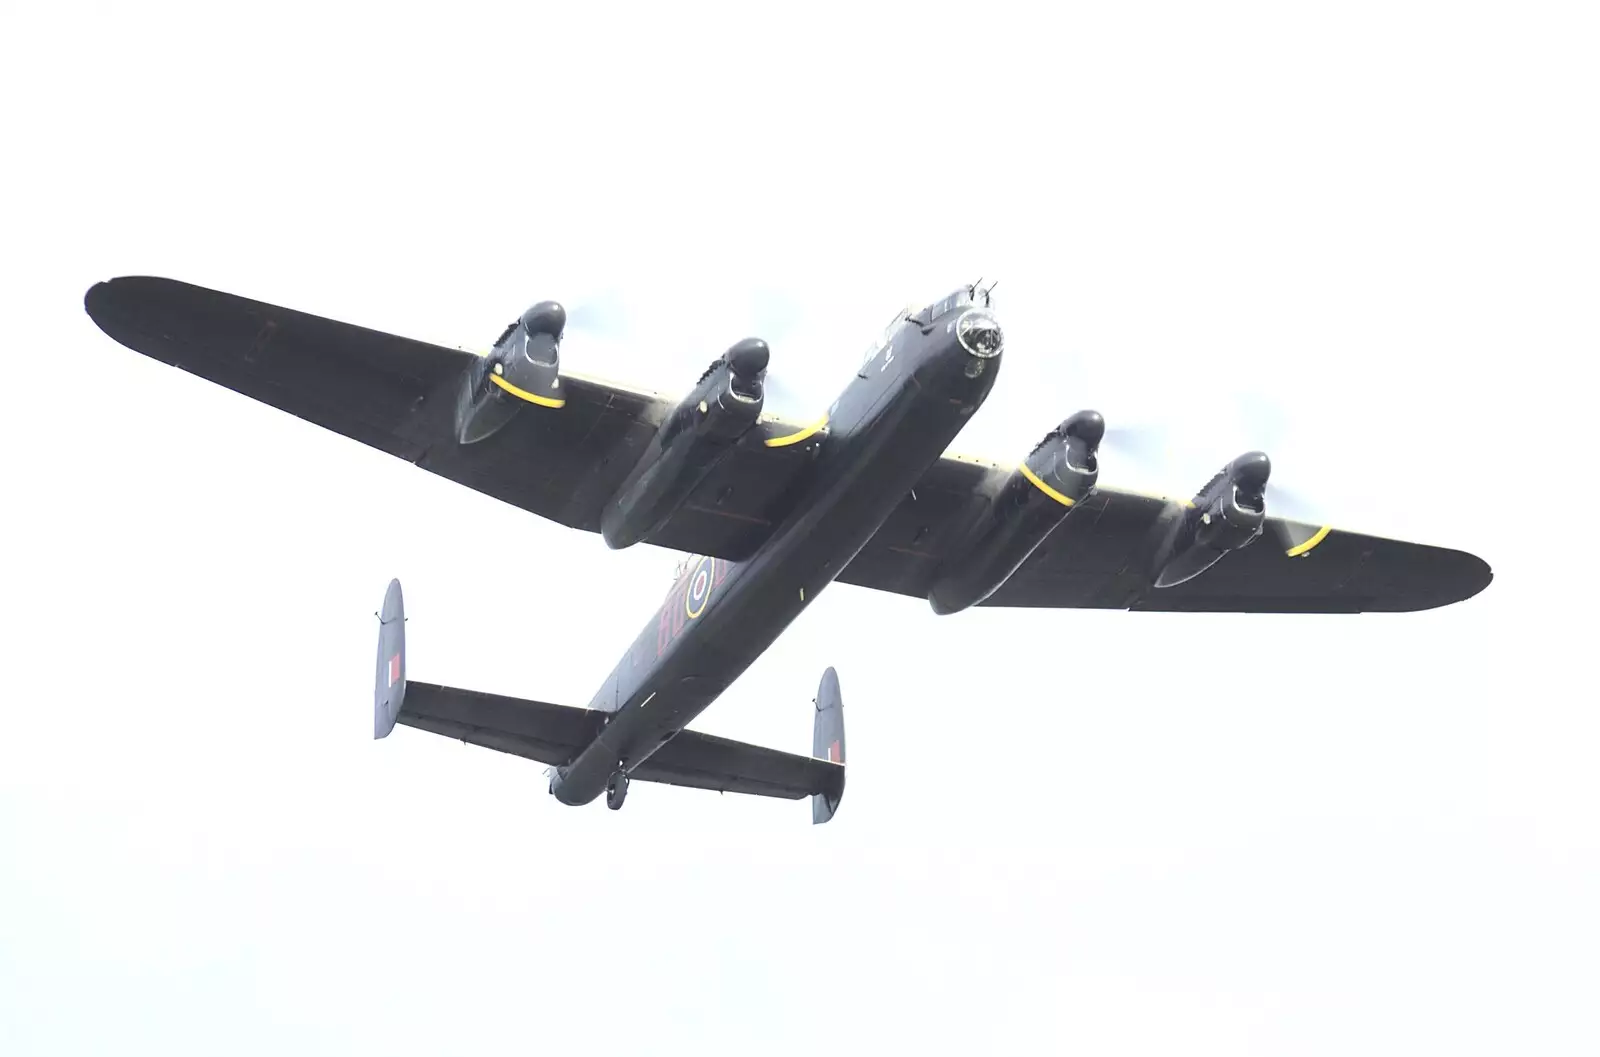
{"points": [[1362, 236]]}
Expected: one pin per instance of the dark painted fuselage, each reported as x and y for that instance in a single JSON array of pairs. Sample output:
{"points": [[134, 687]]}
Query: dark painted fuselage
{"points": [[895, 419]]}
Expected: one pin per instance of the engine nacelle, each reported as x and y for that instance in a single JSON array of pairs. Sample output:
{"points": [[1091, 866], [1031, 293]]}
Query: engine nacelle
{"points": [[1059, 473], [1228, 514], [702, 429], [523, 368]]}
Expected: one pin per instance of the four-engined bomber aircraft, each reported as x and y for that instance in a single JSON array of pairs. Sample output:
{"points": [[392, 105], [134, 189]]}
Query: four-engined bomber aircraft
{"points": [[773, 511]]}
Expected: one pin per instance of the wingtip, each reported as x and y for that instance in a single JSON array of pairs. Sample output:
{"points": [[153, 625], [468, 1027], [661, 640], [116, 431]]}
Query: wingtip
{"points": [[1459, 575], [1481, 575], [99, 304], [100, 301], [95, 296], [108, 286]]}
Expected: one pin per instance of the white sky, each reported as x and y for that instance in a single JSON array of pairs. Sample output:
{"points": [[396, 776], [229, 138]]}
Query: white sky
{"points": [[1098, 833]]}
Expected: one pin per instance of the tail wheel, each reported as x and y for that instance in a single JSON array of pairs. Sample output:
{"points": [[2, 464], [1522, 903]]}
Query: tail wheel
{"points": [[616, 790]]}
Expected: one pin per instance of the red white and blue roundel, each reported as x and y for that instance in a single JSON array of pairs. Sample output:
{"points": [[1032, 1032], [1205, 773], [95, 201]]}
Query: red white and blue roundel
{"points": [[697, 588]]}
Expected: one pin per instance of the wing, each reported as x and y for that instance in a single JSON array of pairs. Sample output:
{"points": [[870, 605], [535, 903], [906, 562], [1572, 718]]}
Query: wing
{"points": [[1097, 558], [399, 396], [555, 734]]}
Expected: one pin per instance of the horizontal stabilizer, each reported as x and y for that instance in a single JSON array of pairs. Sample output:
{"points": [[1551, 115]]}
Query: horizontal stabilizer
{"points": [[556, 734], [705, 761], [534, 730]]}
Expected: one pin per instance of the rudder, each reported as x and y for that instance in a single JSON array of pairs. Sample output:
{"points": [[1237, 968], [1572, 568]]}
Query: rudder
{"points": [[827, 743], [389, 690]]}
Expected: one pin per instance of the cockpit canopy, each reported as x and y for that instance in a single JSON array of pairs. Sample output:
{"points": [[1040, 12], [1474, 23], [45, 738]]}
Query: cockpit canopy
{"points": [[968, 296], [959, 299], [965, 297]]}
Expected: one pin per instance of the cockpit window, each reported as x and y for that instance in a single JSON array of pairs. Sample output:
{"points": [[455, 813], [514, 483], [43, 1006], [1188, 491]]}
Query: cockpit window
{"points": [[966, 297], [887, 334], [959, 299]]}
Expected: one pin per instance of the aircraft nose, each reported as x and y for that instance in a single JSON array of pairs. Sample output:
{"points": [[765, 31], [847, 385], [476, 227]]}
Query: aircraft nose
{"points": [[980, 334]]}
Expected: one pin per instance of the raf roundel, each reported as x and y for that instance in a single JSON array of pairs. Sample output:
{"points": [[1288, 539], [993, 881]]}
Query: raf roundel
{"points": [[698, 589]]}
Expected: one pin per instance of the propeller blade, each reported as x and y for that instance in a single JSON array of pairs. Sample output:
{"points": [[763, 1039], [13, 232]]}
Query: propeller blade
{"points": [[603, 314], [780, 319], [786, 400], [1264, 422], [774, 315], [1145, 445], [765, 313], [1291, 505]]}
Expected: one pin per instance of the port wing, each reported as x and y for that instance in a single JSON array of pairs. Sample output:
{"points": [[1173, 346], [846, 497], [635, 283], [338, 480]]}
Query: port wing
{"points": [[400, 396]]}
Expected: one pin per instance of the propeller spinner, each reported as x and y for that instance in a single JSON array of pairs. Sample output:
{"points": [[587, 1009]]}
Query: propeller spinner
{"points": [[748, 359]]}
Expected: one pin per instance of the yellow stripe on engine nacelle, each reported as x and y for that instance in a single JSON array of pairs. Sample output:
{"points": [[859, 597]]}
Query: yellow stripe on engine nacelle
{"points": [[1305, 548], [1046, 489], [796, 438], [523, 394]]}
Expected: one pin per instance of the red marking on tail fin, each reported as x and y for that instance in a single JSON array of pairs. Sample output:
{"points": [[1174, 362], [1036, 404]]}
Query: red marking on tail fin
{"points": [[394, 669], [833, 753]]}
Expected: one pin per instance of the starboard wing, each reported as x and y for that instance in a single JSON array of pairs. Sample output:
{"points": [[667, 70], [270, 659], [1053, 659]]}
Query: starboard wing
{"points": [[1097, 558]]}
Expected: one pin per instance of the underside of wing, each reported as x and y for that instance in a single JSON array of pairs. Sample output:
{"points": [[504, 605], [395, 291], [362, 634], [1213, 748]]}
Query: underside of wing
{"points": [[926, 529], [561, 454], [735, 508], [1104, 554], [1101, 557]]}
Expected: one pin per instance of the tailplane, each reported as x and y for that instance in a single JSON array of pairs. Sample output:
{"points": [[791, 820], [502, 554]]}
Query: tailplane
{"points": [[556, 735], [389, 691], [827, 743]]}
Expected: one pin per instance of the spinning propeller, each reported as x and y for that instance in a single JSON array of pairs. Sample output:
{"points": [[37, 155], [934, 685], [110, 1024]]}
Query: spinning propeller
{"points": [[603, 314], [772, 320], [1160, 449], [766, 320]]}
